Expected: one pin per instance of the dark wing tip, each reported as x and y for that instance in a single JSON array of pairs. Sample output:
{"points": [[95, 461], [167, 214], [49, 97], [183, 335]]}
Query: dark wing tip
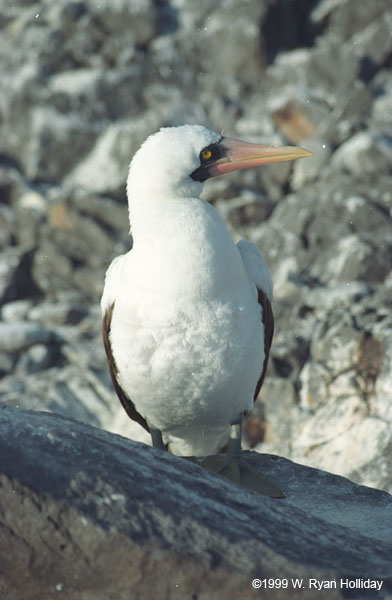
{"points": [[128, 405], [268, 322]]}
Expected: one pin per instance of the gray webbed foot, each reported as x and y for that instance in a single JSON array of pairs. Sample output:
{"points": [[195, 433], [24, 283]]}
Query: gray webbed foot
{"points": [[231, 465], [234, 466]]}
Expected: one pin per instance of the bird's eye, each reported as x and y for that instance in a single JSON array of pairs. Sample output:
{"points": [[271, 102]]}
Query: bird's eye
{"points": [[206, 154]]}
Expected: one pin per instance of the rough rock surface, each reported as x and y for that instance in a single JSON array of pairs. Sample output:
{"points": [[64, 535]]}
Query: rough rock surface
{"points": [[87, 514], [84, 82]]}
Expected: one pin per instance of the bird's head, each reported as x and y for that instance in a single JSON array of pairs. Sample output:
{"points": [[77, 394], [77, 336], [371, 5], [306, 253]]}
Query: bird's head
{"points": [[176, 161]]}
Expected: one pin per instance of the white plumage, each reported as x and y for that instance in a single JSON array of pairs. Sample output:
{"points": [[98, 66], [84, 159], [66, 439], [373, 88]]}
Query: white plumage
{"points": [[186, 331]]}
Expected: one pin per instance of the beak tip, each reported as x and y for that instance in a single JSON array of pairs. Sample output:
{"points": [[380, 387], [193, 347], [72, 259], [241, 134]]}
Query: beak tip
{"points": [[305, 153]]}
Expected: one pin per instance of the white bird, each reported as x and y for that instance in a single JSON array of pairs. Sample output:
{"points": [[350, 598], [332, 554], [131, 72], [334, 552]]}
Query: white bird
{"points": [[187, 318]]}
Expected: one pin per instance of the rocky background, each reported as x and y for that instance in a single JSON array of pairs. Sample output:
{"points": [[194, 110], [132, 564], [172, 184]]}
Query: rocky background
{"points": [[83, 83]]}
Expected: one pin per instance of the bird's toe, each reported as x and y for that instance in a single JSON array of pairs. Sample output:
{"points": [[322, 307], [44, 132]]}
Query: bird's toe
{"points": [[238, 470]]}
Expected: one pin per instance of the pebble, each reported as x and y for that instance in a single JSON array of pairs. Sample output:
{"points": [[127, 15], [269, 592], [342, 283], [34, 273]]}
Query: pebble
{"points": [[20, 335]]}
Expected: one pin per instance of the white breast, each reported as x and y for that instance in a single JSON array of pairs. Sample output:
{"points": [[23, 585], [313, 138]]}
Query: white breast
{"points": [[186, 331]]}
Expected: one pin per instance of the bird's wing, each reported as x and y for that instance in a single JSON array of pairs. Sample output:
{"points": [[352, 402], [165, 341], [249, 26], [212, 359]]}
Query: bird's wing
{"points": [[268, 322], [112, 283], [259, 275], [256, 267], [108, 306]]}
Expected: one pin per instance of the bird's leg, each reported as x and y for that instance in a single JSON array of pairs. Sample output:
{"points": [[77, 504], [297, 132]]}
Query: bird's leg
{"points": [[233, 466], [234, 450], [157, 441], [156, 437]]}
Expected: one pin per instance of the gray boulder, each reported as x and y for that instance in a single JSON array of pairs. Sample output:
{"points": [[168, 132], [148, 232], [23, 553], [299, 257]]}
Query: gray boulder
{"points": [[88, 514]]}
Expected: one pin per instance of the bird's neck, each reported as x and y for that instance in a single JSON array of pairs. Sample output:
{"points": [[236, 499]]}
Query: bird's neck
{"points": [[159, 219], [185, 236]]}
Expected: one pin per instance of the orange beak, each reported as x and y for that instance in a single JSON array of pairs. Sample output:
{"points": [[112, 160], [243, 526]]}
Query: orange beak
{"points": [[242, 155]]}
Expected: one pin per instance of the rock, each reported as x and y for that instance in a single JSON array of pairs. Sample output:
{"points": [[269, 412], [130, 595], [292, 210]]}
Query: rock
{"points": [[68, 489], [337, 296], [112, 215], [7, 363], [98, 172], [61, 313], [20, 335], [357, 259], [7, 217], [66, 390], [97, 93], [382, 103], [308, 170], [293, 122], [72, 248], [118, 16], [364, 154], [220, 36], [277, 396], [50, 134], [10, 264], [314, 381], [31, 211], [340, 16], [381, 397], [37, 358], [341, 448], [334, 342], [16, 310]]}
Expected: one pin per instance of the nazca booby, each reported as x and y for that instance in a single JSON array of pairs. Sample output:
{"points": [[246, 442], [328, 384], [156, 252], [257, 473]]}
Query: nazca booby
{"points": [[187, 318]]}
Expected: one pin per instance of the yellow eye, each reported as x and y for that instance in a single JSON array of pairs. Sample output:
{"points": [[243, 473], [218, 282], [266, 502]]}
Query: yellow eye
{"points": [[206, 154]]}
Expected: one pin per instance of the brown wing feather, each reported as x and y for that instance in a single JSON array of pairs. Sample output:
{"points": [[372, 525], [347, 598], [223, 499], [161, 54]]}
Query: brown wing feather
{"points": [[125, 401], [268, 322]]}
